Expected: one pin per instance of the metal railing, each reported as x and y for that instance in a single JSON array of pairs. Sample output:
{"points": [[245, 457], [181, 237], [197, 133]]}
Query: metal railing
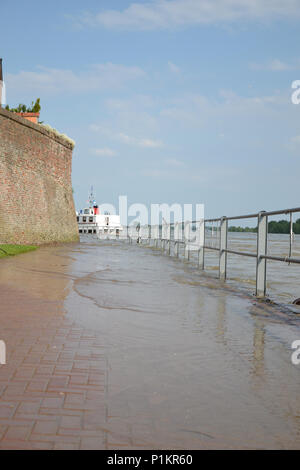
{"points": [[195, 240]]}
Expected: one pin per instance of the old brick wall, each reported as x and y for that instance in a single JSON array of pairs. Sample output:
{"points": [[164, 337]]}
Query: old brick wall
{"points": [[36, 201]]}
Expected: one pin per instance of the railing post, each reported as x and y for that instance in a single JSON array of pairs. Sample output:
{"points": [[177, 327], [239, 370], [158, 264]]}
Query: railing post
{"points": [[160, 236], [156, 236], [163, 236], [223, 248], [176, 239], [187, 229], [168, 235], [201, 244], [138, 230], [261, 263]]}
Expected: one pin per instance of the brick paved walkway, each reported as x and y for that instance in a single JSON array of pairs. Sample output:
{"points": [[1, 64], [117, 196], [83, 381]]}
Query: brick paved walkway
{"points": [[53, 386]]}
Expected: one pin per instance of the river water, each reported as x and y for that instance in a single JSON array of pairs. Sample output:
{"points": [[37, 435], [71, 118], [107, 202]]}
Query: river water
{"points": [[191, 362], [282, 278]]}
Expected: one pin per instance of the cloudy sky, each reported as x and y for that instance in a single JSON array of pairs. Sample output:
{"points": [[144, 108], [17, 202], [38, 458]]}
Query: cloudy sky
{"points": [[185, 101]]}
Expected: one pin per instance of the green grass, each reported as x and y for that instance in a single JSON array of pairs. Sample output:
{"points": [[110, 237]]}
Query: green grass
{"points": [[11, 250]]}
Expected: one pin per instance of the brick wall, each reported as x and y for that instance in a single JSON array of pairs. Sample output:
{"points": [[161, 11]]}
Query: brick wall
{"points": [[36, 201]]}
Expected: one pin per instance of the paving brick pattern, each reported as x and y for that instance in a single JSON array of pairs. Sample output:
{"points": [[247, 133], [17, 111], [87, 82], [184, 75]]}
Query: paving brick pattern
{"points": [[53, 386]]}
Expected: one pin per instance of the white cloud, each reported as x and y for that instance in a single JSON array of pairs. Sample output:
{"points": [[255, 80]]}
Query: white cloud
{"points": [[97, 77], [146, 143], [274, 65], [103, 152], [206, 176], [173, 68], [169, 14], [126, 139], [294, 145], [174, 162]]}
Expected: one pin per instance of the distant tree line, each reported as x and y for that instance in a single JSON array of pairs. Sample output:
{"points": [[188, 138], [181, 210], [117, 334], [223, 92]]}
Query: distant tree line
{"points": [[282, 226], [242, 229]]}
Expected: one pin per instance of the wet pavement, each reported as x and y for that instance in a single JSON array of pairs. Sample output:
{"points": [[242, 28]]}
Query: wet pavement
{"points": [[111, 346]]}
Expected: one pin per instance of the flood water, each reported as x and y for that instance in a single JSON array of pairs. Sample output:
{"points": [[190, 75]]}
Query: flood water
{"points": [[191, 362]]}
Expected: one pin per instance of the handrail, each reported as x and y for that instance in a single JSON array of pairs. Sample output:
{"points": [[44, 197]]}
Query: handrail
{"points": [[162, 234]]}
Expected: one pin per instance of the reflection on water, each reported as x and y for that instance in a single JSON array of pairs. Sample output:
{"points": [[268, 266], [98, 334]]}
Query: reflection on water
{"points": [[191, 364]]}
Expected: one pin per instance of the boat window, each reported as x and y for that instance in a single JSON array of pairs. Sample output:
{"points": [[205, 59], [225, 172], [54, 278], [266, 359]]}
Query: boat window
{"points": [[86, 211], [77, 219], [91, 219], [83, 219], [94, 231], [80, 231], [90, 231]]}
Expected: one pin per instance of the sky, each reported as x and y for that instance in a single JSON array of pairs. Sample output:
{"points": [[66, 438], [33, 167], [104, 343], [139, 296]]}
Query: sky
{"points": [[168, 101]]}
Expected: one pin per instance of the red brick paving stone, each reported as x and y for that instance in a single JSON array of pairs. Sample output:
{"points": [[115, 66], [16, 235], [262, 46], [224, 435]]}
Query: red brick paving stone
{"points": [[44, 369], [55, 439], [92, 443], [14, 389], [3, 430], [37, 385], [71, 422], [29, 407], [79, 379], [17, 433], [58, 382], [94, 420], [65, 446], [26, 372], [32, 359], [63, 367], [25, 445], [7, 409], [50, 357], [52, 402], [46, 427], [74, 399]]}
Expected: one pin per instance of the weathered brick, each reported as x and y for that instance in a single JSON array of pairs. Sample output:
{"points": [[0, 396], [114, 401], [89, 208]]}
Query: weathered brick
{"points": [[36, 201]]}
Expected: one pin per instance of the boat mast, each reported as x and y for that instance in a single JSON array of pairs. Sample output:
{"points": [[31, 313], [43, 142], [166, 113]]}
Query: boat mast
{"points": [[91, 199]]}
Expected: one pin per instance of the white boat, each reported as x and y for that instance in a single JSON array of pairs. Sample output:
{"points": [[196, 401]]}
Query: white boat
{"points": [[92, 222]]}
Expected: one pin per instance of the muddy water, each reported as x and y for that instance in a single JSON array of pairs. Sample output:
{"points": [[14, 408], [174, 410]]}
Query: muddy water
{"points": [[191, 363]]}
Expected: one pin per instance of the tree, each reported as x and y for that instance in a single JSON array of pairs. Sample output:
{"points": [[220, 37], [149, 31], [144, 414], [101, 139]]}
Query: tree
{"points": [[22, 108]]}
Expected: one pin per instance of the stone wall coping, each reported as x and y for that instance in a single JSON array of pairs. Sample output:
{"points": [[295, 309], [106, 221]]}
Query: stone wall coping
{"points": [[36, 127]]}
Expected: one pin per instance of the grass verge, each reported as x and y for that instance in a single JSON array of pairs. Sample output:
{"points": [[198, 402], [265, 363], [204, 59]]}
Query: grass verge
{"points": [[11, 250]]}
